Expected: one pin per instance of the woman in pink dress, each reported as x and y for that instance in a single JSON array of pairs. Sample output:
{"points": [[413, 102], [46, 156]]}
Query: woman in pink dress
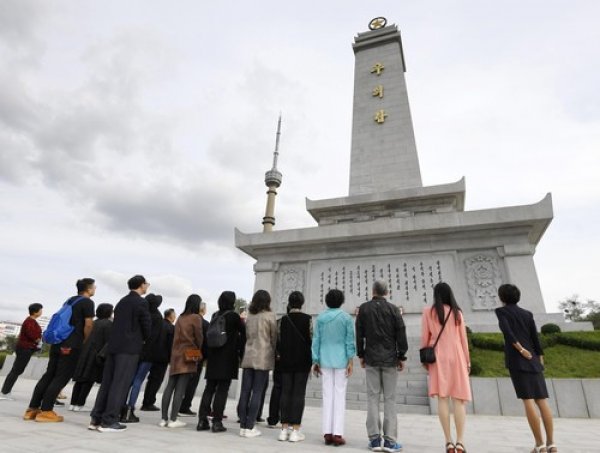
{"points": [[449, 375]]}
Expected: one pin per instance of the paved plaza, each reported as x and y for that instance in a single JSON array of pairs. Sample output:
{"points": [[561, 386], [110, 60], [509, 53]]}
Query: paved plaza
{"points": [[418, 433]]}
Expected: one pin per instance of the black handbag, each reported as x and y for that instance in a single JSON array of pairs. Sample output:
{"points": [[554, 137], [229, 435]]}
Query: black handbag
{"points": [[427, 354]]}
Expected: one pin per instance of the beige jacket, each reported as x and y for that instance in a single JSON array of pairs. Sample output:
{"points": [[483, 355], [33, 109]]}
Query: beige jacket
{"points": [[261, 338]]}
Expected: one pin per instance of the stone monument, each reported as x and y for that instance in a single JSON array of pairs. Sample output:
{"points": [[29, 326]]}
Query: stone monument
{"points": [[392, 227]]}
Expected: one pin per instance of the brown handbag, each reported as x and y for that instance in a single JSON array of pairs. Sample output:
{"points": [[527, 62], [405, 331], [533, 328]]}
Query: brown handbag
{"points": [[192, 355]]}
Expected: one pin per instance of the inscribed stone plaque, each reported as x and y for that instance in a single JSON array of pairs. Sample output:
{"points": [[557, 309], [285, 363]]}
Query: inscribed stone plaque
{"points": [[410, 279]]}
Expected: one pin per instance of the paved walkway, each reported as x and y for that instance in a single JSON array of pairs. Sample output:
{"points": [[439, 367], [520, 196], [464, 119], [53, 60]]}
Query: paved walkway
{"points": [[418, 433]]}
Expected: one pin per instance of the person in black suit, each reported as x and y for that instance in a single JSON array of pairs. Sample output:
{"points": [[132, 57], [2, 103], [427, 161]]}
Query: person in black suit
{"points": [[131, 328], [524, 359]]}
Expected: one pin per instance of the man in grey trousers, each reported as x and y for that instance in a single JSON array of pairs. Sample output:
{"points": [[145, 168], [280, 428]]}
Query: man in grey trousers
{"points": [[381, 346]]}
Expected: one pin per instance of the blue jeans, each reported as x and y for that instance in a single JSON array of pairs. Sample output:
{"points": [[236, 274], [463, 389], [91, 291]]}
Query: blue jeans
{"points": [[141, 373], [253, 383]]}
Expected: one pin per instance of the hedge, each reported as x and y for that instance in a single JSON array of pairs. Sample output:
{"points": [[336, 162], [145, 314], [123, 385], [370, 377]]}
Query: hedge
{"points": [[493, 341], [2, 358], [582, 340]]}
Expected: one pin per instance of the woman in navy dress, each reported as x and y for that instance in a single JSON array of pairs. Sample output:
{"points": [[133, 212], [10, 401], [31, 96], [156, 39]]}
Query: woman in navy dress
{"points": [[524, 359]]}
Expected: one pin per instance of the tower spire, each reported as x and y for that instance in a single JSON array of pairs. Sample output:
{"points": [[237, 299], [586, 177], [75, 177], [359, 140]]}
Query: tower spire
{"points": [[272, 181]]}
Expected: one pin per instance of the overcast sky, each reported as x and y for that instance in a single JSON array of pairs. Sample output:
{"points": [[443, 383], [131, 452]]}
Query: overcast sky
{"points": [[134, 135]]}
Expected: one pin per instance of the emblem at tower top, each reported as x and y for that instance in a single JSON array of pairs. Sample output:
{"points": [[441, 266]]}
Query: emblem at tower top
{"points": [[377, 23]]}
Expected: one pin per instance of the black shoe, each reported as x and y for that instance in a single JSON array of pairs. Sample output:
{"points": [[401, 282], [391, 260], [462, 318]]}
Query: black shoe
{"points": [[203, 425], [259, 420], [58, 403], [187, 413], [151, 408], [114, 428], [130, 417], [217, 427]]}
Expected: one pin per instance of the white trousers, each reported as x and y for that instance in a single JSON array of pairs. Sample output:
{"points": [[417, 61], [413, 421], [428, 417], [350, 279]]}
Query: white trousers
{"points": [[334, 400]]}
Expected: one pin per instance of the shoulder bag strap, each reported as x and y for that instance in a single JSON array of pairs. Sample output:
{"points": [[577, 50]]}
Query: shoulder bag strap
{"points": [[443, 326], [296, 328]]}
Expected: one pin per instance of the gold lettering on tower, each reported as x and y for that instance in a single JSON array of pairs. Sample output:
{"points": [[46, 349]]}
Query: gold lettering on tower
{"points": [[378, 91], [380, 116], [377, 68]]}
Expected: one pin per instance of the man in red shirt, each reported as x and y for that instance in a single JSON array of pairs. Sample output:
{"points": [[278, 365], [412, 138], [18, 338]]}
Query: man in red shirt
{"points": [[27, 344]]}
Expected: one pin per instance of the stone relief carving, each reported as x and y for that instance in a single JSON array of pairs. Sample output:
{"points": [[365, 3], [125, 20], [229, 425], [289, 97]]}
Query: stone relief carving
{"points": [[483, 278], [290, 279]]}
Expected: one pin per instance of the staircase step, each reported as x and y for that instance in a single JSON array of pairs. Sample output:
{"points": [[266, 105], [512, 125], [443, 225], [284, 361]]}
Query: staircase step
{"points": [[362, 405]]}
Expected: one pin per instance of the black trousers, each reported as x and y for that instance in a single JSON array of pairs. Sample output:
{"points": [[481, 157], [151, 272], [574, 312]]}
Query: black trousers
{"points": [[293, 391], [275, 400], [253, 384], [190, 391], [80, 392], [155, 379], [215, 396], [175, 389], [59, 372], [19, 365], [119, 370]]}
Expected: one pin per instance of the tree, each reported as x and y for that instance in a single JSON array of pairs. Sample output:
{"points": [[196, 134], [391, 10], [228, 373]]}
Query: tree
{"points": [[240, 305], [577, 310], [11, 342]]}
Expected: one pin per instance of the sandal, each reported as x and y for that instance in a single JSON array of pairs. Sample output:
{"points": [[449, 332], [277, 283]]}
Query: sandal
{"points": [[460, 448], [539, 449], [551, 448], [450, 448]]}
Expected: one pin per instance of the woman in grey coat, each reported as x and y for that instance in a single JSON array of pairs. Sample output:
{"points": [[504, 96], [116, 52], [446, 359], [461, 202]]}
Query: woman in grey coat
{"points": [[259, 358]]}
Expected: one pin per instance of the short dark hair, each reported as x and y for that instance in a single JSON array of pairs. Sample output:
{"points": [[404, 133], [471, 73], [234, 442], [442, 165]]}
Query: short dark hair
{"points": [[168, 312], [104, 311], [34, 308], [261, 301], [380, 288], [135, 282], [296, 299], [83, 284], [334, 298], [226, 301], [192, 305], [509, 294]]}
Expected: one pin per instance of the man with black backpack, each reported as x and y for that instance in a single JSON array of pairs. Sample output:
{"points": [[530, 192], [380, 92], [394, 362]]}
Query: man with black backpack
{"points": [[67, 331]]}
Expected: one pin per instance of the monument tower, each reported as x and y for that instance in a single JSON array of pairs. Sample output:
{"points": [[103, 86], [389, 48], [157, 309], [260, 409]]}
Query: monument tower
{"points": [[392, 227], [272, 181]]}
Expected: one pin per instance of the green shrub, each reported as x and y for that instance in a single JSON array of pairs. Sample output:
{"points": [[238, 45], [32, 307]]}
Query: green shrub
{"points": [[469, 331], [581, 340], [547, 341], [2, 358], [492, 341], [550, 328]]}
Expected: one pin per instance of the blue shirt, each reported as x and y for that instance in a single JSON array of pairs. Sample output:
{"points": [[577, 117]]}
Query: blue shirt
{"points": [[333, 343]]}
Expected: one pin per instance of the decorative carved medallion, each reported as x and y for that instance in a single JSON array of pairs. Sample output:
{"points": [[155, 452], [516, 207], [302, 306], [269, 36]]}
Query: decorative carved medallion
{"points": [[483, 279], [290, 279]]}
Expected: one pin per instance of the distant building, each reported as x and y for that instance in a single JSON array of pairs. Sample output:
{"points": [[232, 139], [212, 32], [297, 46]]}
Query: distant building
{"points": [[8, 328]]}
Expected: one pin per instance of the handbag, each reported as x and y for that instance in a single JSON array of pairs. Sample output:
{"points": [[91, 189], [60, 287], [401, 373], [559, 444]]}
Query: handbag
{"points": [[427, 354], [192, 355]]}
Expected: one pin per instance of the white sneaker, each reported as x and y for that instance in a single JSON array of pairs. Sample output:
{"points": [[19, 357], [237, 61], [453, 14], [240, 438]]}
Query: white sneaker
{"points": [[252, 432], [284, 435], [77, 408], [162, 423], [93, 427], [176, 424], [296, 436], [71, 407], [243, 432]]}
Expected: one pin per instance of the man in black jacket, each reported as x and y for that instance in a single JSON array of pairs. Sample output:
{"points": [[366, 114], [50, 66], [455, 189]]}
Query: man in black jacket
{"points": [[131, 328], [381, 346]]}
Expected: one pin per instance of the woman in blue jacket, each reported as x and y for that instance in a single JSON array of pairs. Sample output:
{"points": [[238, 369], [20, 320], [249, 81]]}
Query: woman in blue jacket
{"points": [[333, 349]]}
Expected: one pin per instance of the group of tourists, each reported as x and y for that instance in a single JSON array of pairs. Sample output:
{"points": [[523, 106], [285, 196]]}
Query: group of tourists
{"points": [[133, 341]]}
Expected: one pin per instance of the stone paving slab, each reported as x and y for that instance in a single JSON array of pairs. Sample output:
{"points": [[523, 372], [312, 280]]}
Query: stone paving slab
{"points": [[418, 433]]}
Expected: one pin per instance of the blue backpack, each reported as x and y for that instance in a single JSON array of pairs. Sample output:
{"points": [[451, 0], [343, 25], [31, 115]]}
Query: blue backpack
{"points": [[59, 328]]}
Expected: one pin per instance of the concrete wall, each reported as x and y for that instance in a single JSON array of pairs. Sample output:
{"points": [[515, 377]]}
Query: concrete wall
{"points": [[569, 398]]}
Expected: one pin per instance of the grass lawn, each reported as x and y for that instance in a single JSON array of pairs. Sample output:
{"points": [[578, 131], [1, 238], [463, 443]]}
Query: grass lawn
{"points": [[561, 362]]}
